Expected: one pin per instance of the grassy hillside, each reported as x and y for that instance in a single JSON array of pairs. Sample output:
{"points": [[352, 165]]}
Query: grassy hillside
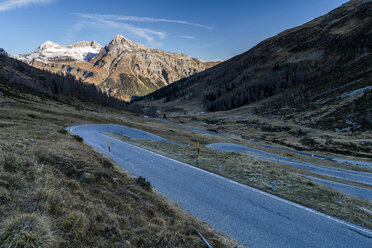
{"points": [[129, 85], [311, 69], [55, 191]]}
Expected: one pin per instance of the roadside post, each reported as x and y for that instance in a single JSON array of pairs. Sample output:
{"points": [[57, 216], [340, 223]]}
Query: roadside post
{"points": [[109, 149], [198, 159], [273, 186]]}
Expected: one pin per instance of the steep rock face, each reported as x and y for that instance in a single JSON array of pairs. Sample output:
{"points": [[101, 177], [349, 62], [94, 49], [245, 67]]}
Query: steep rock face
{"points": [[138, 70], [122, 68]]}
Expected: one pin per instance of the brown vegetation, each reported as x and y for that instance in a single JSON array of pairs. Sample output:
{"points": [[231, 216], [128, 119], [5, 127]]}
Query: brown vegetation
{"points": [[298, 70], [259, 174], [55, 191]]}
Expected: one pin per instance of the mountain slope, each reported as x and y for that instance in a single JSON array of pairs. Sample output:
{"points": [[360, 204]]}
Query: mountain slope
{"points": [[297, 66], [55, 191], [123, 68], [52, 85]]}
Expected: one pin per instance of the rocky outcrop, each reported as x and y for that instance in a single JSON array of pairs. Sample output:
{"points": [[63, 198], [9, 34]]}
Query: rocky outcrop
{"points": [[122, 68], [130, 68]]}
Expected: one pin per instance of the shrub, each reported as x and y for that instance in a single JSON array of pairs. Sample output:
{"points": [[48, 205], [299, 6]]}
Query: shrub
{"points": [[27, 230], [78, 138], [107, 164], [75, 223], [62, 131], [141, 181], [10, 163], [4, 196], [159, 222], [310, 184]]}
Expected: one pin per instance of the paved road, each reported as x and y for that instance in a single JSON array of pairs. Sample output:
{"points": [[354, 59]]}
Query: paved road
{"points": [[348, 189], [338, 160], [132, 133], [253, 217], [344, 174]]}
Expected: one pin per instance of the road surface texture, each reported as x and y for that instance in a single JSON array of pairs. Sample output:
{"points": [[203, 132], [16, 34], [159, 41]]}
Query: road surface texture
{"points": [[132, 133], [252, 217], [347, 189], [338, 160], [344, 174]]}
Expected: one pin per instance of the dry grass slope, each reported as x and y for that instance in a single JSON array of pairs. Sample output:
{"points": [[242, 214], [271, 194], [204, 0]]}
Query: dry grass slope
{"points": [[55, 191]]}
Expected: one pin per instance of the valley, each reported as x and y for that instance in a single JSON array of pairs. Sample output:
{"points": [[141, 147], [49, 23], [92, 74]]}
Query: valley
{"points": [[312, 75], [130, 145], [58, 191]]}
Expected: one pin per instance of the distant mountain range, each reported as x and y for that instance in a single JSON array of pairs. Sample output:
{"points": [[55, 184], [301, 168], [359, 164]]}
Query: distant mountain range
{"points": [[320, 72], [123, 68]]}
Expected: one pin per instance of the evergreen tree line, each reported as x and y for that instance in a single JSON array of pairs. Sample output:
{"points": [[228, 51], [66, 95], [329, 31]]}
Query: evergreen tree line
{"points": [[256, 74], [256, 84], [44, 82], [240, 84]]}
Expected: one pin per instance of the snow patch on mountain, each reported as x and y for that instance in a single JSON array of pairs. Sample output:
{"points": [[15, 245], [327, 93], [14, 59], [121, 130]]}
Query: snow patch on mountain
{"points": [[53, 52]]}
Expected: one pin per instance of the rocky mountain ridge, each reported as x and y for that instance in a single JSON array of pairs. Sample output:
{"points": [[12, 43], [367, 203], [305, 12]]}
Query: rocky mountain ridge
{"points": [[122, 68]]}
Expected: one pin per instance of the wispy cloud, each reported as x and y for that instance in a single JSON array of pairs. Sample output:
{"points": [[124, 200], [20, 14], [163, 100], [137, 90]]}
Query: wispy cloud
{"points": [[123, 23], [145, 33], [13, 4], [187, 37], [148, 19], [107, 21]]}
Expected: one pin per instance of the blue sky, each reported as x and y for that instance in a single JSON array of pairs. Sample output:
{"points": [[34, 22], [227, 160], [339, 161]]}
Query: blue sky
{"points": [[205, 29]]}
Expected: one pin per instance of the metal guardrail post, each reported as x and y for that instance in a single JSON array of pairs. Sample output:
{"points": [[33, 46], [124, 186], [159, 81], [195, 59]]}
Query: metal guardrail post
{"points": [[204, 240]]}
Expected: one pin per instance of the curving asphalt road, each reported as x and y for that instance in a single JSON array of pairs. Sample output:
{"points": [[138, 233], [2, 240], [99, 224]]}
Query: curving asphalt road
{"points": [[344, 174], [338, 160], [132, 133], [345, 188], [251, 216]]}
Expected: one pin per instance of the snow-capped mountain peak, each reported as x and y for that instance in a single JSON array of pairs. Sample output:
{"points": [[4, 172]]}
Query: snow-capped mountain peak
{"points": [[47, 44], [52, 52], [144, 68]]}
